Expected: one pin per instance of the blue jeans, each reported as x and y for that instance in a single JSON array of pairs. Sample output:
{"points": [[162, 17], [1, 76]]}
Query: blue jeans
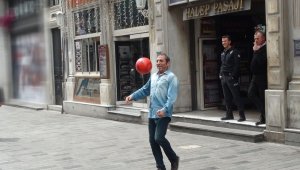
{"points": [[157, 131]]}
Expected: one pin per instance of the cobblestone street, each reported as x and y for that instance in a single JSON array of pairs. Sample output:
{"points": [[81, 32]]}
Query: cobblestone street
{"points": [[38, 140]]}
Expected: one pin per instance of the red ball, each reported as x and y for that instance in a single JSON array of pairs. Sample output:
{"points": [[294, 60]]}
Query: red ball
{"points": [[143, 65]]}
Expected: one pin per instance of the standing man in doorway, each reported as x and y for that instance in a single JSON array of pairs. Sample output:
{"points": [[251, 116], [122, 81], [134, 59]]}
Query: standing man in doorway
{"points": [[258, 84], [229, 75], [162, 87]]}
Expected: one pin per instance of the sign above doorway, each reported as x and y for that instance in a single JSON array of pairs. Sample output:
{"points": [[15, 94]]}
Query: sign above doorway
{"points": [[216, 7]]}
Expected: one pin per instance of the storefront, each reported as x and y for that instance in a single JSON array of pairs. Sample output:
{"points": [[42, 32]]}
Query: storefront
{"points": [[281, 19], [131, 42], [211, 20], [127, 53], [106, 38], [29, 58], [86, 61]]}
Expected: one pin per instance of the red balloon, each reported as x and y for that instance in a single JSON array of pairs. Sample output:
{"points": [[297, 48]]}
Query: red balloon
{"points": [[143, 65]]}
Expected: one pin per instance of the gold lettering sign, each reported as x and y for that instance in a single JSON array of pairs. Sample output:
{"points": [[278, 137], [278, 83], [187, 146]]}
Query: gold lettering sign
{"points": [[199, 11], [216, 7], [228, 6]]}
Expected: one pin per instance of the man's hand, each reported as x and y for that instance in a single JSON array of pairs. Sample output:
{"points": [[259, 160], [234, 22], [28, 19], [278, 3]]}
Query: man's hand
{"points": [[160, 113], [256, 46], [128, 99]]}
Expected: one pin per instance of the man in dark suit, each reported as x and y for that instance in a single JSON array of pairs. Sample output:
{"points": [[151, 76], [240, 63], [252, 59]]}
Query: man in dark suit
{"points": [[258, 66]]}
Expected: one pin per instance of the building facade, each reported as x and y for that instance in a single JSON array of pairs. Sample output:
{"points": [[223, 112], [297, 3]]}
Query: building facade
{"points": [[189, 31], [102, 63], [211, 19], [27, 53], [101, 40]]}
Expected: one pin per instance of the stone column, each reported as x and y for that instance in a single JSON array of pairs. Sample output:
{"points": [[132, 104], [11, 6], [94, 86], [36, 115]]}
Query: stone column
{"points": [[277, 69], [69, 70], [107, 88], [106, 95], [171, 35], [293, 94]]}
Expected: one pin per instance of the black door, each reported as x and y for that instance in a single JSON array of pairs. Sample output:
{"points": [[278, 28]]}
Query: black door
{"points": [[58, 72], [127, 53]]}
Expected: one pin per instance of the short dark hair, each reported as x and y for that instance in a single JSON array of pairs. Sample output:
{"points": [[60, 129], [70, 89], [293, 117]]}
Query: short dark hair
{"points": [[227, 36], [166, 56]]}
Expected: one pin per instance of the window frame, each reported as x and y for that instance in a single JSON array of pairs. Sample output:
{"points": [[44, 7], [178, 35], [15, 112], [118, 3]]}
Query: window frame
{"points": [[89, 73], [52, 3]]}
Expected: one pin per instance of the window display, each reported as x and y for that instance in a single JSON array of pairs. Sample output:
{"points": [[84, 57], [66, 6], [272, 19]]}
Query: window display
{"points": [[87, 55], [126, 15], [128, 53], [87, 90], [87, 21]]}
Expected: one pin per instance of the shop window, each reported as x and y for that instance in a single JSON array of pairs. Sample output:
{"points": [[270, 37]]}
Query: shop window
{"points": [[87, 39], [127, 53], [87, 21], [87, 89], [126, 15], [26, 8], [53, 3], [87, 54], [86, 27]]}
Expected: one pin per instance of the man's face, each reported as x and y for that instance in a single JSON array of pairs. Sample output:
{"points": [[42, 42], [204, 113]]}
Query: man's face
{"points": [[226, 43], [162, 64], [259, 39]]}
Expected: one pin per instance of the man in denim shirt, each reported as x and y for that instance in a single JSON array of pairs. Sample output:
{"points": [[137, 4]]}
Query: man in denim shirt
{"points": [[162, 88]]}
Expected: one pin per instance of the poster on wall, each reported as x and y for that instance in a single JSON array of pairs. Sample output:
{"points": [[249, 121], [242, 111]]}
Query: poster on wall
{"points": [[29, 68], [297, 48], [87, 90], [78, 54]]}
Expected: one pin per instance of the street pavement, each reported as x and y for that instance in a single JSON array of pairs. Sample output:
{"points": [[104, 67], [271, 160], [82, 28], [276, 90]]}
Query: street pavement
{"points": [[48, 140]]}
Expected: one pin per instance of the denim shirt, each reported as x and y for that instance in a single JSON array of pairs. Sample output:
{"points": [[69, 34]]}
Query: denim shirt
{"points": [[163, 89]]}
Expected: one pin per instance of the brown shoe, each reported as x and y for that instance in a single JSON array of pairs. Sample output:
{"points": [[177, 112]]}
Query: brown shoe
{"points": [[175, 164]]}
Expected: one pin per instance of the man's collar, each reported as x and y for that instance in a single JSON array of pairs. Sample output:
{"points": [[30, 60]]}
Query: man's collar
{"points": [[166, 72], [227, 49]]}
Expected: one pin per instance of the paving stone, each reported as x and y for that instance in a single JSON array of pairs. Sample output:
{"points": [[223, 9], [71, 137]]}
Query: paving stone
{"points": [[45, 139]]}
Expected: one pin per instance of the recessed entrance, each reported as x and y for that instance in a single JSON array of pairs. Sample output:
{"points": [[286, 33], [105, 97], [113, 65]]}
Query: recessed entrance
{"points": [[127, 53], [240, 26]]}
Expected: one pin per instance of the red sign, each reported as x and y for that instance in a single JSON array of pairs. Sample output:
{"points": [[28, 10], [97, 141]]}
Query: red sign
{"points": [[7, 19], [78, 3]]}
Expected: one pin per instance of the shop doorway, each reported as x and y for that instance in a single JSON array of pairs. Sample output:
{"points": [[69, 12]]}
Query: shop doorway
{"points": [[241, 31], [240, 26], [57, 60], [127, 53], [210, 84]]}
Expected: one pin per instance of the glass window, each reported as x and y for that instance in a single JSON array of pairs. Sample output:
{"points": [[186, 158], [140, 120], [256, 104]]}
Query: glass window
{"points": [[87, 21], [87, 54], [87, 39], [25, 8], [87, 89], [126, 15], [53, 3]]}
